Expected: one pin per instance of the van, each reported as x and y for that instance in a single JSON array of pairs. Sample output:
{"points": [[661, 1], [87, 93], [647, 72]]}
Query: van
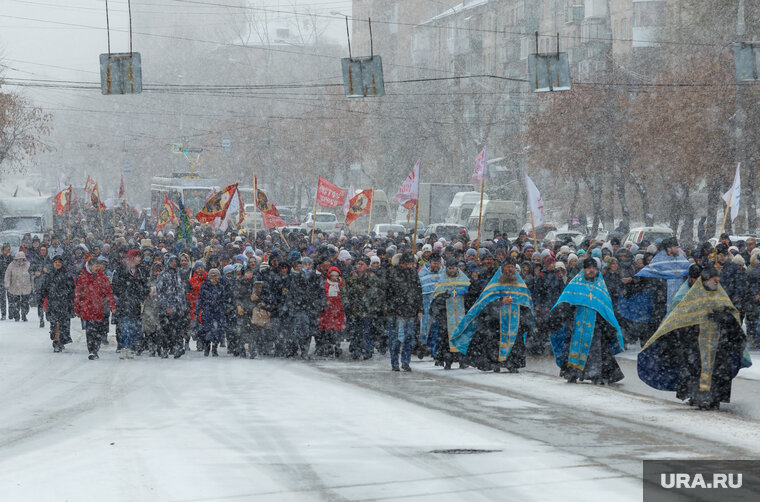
{"points": [[461, 207], [497, 216]]}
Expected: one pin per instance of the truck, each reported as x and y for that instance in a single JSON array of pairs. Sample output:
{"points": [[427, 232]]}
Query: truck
{"points": [[434, 202], [26, 214], [461, 207], [500, 216]]}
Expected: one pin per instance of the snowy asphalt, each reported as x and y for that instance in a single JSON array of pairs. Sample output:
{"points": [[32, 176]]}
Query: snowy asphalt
{"points": [[202, 429]]}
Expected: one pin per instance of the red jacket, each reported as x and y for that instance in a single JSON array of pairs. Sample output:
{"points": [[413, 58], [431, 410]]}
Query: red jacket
{"points": [[196, 281], [91, 290]]}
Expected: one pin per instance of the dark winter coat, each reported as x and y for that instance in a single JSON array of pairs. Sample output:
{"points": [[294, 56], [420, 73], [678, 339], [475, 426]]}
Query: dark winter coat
{"points": [[213, 303], [547, 288], [130, 290], [614, 283], [403, 292], [171, 290], [306, 295], [5, 260], [241, 293], [91, 291], [733, 281], [58, 290], [362, 296]]}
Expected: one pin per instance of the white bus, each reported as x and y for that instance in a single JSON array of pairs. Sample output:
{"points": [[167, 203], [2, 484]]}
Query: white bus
{"points": [[194, 191]]}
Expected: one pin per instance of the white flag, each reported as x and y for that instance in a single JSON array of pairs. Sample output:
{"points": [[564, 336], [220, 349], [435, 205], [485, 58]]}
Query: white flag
{"points": [[733, 196], [535, 202], [347, 202], [142, 227], [409, 191]]}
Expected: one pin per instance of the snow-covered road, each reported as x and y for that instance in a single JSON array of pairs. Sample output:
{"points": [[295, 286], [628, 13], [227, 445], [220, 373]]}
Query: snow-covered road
{"points": [[198, 429]]}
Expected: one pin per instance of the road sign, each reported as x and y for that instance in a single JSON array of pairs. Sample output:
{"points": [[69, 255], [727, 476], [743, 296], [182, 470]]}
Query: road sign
{"points": [[363, 77], [226, 144], [126, 167], [549, 72], [176, 148], [120, 73]]}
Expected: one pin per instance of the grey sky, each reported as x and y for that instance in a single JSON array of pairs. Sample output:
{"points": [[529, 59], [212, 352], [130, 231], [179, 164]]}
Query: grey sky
{"points": [[61, 40]]}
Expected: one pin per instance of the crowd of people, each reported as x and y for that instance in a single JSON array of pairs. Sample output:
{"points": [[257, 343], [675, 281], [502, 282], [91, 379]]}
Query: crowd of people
{"points": [[458, 301]]}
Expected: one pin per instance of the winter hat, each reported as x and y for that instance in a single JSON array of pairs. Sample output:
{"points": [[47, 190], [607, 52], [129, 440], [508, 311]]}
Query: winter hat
{"points": [[439, 245], [596, 253], [248, 249], [458, 246], [374, 259], [652, 249], [638, 257], [564, 250], [59, 258], [427, 248], [739, 260], [19, 255], [470, 252], [197, 264], [561, 265], [132, 253], [733, 250], [228, 269], [572, 256], [344, 255], [548, 260], [214, 272]]}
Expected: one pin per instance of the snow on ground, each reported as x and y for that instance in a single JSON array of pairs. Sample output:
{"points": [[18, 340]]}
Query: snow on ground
{"points": [[200, 428]]}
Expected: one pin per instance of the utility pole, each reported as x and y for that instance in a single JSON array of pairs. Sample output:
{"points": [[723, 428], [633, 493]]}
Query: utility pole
{"points": [[740, 124]]}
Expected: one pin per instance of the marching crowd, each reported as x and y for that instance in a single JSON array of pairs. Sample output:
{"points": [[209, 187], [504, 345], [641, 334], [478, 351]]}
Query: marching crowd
{"points": [[474, 304]]}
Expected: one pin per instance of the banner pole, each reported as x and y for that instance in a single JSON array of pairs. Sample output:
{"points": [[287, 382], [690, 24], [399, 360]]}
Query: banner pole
{"points": [[408, 217], [535, 244], [314, 215], [480, 211], [725, 215], [371, 204], [416, 213], [255, 204]]}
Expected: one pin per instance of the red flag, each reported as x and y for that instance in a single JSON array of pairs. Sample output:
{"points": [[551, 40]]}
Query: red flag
{"points": [[481, 166], [360, 204], [95, 199], [216, 206], [63, 201], [329, 194], [269, 213], [121, 188], [409, 191], [166, 215]]}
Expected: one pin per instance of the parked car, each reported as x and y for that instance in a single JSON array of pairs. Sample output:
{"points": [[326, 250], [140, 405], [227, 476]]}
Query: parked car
{"points": [[650, 234], [564, 237], [541, 230], [326, 222], [446, 230], [288, 215], [382, 229]]}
